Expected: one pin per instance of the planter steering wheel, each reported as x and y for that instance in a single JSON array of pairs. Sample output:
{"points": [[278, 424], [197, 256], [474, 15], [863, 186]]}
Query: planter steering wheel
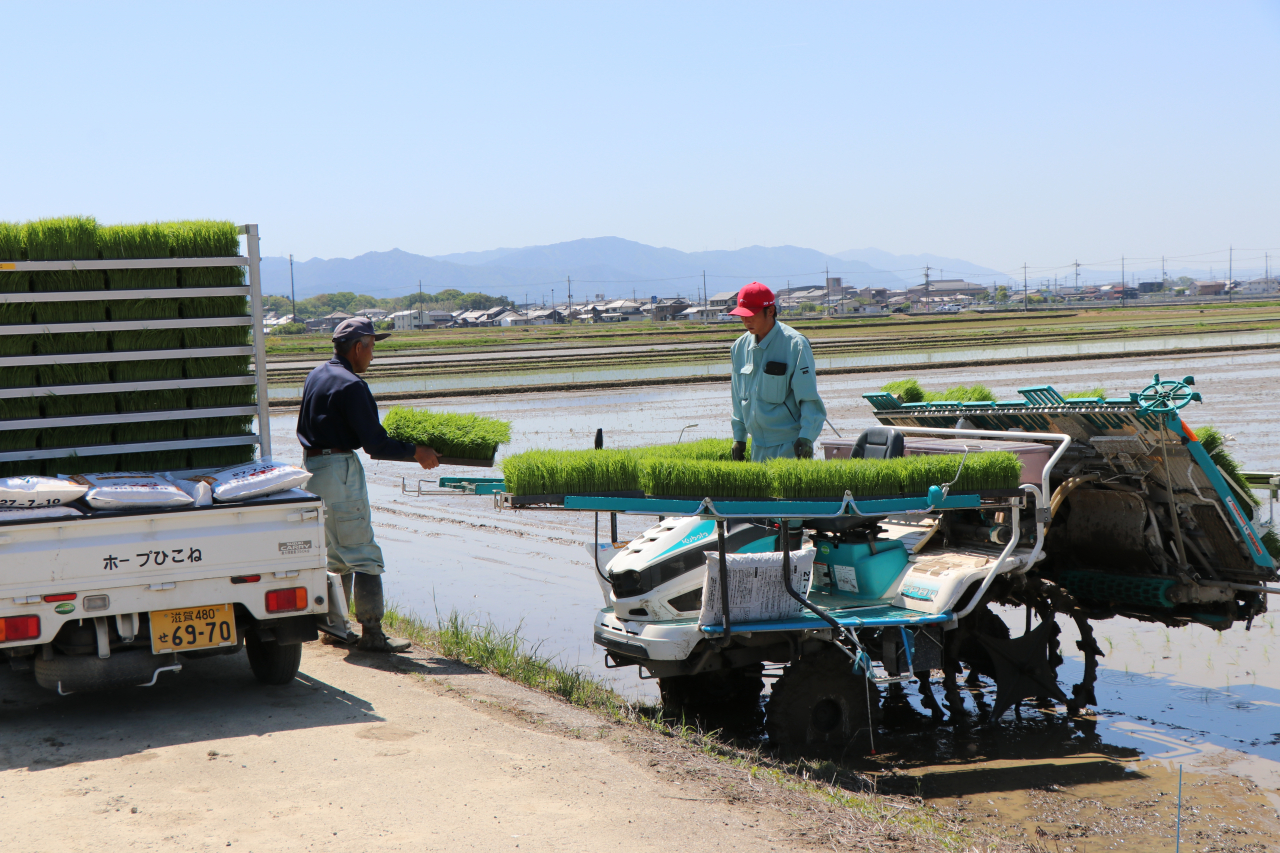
{"points": [[1166, 396]]}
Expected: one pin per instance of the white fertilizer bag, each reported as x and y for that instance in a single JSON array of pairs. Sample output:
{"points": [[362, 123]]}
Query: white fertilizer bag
{"points": [[25, 492], [755, 586], [131, 490], [37, 512], [242, 482], [198, 490]]}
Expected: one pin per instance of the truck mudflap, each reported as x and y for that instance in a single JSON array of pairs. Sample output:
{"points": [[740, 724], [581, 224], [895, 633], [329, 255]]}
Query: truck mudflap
{"points": [[336, 622]]}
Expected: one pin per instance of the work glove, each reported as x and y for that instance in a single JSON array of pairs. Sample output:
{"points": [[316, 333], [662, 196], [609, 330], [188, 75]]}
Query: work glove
{"points": [[739, 451], [804, 448]]}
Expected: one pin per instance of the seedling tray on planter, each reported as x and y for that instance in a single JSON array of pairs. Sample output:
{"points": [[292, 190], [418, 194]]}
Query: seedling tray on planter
{"points": [[558, 500]]}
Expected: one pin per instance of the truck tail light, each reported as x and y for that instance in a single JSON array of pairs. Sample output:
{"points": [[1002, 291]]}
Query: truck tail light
{"points": [[13, 628], [285, 600], [247, 579], [63, 596]]}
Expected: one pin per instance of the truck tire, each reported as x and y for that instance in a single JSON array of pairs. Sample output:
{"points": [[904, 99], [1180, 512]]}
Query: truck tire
{"points": [[272, 662], [86, 673], [722, 698], [819, 703]]}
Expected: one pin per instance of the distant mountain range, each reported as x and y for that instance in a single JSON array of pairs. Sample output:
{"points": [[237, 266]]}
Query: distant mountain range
{"points": [[602, 265], [614, 268]]}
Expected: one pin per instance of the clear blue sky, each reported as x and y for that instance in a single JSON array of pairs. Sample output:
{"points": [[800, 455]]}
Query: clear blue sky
{"points": [[999, 133]]}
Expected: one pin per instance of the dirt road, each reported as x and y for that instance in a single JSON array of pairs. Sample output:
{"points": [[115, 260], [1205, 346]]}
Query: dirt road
{"points": [[423, 755]]}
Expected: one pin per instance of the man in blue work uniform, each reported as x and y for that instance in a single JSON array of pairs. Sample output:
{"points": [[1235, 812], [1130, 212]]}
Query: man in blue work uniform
{"points": [[774, 383], [337, 417]]}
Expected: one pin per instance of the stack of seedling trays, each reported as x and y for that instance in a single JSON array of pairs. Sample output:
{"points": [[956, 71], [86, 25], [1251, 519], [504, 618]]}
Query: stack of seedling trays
{"points": [[125, 347], [703, 470]]}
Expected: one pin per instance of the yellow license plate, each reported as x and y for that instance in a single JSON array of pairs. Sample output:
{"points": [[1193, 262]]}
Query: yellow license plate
{"points": [[189, 628]]}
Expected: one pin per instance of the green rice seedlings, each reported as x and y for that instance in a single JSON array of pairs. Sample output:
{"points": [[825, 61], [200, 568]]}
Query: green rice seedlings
{"points": [[222, 395], [1271, 541], [221, 457], [1087, 394], [22, 468], [68, 342], [1214, 443], [68, 238], [816, 479], [81, 464], [448, 433], [216, 336], [129, 242], [71, 405], [19, 439], [570, 472], [206, 239], [155, 460], [147, 370], [213, 427], [698, 478], [13, 247], [76, 436], [17, 345], [907, 390], [74, 374], [820, 479], [210, 367], [710, 449]]}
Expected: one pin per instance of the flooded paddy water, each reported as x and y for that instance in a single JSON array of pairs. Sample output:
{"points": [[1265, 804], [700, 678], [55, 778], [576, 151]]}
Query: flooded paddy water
{"points": [[1205, 700]]}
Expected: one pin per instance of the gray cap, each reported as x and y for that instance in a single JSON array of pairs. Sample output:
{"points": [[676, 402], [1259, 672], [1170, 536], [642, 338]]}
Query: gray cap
{"points": [[355, 328]]}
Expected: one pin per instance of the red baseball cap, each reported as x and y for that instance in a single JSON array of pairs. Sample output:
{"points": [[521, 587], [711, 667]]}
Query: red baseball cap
{"points": [[753, 299]]}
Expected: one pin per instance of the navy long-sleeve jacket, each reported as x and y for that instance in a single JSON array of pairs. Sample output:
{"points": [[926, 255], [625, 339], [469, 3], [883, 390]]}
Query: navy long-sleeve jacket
{"points": [[338, 413]]}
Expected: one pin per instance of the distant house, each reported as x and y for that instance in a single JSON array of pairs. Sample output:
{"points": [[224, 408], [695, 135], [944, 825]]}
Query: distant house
{"points": [[328, 323], [545, 317], [665, 309], [698, 313], [511, 318], [874, 294], [417, 319], [627, 310], [1150, 286], [1259, 286], [947, 288], [1208, 288], [374, 314], [726, 301]]}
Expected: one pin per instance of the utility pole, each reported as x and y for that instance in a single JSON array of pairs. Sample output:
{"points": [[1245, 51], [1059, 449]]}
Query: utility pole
{"points": [[827, 272], [568, 314], [1024, 287], [293, 299], [1230, 265], [1077, 264], [926, 288], [1164, 276], [704, 295]]}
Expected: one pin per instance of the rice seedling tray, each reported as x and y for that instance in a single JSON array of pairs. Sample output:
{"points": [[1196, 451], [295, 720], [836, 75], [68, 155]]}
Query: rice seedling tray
{"points": [[768, 508], [559, 500], [460, 460]]}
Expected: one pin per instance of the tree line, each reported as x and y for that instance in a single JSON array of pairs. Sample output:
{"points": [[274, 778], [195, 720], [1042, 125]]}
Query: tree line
{"points": [[353, 303]]}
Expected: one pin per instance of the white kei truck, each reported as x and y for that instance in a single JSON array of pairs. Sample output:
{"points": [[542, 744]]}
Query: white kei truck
{"points": [[111, 599]]}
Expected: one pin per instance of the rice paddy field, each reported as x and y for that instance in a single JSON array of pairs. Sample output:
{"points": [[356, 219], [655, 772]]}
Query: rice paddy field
{"points": [[83, 238]]}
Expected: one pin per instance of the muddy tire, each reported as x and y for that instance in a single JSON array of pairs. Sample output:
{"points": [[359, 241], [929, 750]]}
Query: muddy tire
{"points": [[272, 662], [724, 697], [819, 704]]}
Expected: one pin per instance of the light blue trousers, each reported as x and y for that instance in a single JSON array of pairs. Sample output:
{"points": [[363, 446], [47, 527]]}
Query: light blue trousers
{"points": [[348, 531], [776, 451]]}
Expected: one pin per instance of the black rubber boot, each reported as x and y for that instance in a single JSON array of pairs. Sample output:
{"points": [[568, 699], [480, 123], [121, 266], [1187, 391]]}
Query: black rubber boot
{"points": [[348, 580], [369, 607]]}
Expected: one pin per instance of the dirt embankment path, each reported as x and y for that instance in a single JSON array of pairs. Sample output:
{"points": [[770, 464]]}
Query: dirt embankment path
{"points": [[416, 755]]}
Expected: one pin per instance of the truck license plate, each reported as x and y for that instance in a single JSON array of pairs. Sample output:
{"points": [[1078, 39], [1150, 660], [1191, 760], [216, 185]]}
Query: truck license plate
{"points": [[189, 628]]}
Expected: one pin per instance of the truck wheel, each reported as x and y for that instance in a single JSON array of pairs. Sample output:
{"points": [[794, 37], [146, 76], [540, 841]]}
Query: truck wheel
{"points": [[819, 703], [272, 662], [717, 699]]}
